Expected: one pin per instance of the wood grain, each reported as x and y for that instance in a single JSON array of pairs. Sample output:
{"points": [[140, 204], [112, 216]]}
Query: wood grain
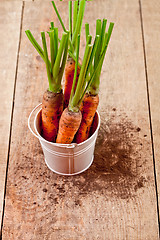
{"points": [[10, 18], [115, 199], [10, 1], [151, 25]]}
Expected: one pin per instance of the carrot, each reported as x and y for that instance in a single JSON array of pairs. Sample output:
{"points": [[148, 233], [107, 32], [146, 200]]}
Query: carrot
{"points": [[52, 104], [69, 74], [52, 108], [77, 95], [68, 126], [91, 99], [71, 117], [88, 108], [75, 25]]}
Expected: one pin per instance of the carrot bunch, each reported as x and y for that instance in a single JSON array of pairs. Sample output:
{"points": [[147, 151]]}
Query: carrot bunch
{"points": [[69, 116], [72, 116], [52, 103], [75, 25]]}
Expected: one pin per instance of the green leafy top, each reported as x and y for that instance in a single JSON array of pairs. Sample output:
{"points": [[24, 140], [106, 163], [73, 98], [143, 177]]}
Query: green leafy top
{"points": [[87, 74], [93, 72], [75, 22], [104, 38], [55, 66]]}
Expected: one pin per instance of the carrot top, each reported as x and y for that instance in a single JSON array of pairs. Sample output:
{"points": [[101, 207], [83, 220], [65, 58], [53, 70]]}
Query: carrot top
{"points": [[55, 66], [75, 22], [85, 77], [101, 49]]}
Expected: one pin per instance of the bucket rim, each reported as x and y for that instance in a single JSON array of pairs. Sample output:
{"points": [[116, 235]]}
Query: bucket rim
{"points": [[71, 145]]}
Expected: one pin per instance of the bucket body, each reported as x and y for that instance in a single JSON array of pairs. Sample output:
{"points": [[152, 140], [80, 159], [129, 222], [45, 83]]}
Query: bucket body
{"points": [[68, 159]]}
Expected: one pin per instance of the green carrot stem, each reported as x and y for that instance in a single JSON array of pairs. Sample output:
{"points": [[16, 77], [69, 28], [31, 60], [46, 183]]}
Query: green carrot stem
{"points": [[51, 35], [71, 48], [35, 44], [98, 26], [98, 32], [47, 61], [70, 19], [99, 49], [70, 44], [88, 72], [92, 56], [61, 71], [81, 78], [78, 13], [59, 55], [82, 19], [78, 5], [96, 80], [103, 31], [60, 19], [93, 74], [89, 39], [96, 41], [62, 24], [78, 23], [72, 54], [55, 42], [105, 40], [52, 25], [87, 30], [110, 29], [76, 68], [74, 57], [75, 12]]}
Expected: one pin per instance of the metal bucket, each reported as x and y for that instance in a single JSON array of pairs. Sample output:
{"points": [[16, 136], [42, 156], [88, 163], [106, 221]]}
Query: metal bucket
{"points": [[66, 159]]}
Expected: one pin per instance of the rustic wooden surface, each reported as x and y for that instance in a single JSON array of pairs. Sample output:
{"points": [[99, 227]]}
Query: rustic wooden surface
{"points": [[10, 20], [151, 23], [116, 198]]}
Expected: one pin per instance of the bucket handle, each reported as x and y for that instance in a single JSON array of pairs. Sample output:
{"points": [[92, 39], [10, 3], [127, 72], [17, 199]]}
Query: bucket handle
{"points": [[29, 120]]}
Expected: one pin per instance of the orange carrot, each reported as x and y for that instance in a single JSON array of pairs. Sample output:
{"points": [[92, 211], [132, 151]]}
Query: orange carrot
{"points": [[52, 108], [88, 108], [69, 75], [52, 104], [68, 126], [71, 117], [70, 120], [76, 13]]}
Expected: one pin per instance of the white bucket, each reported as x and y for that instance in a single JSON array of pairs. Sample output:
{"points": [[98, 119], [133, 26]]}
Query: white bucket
{"points": [[66, 159]]}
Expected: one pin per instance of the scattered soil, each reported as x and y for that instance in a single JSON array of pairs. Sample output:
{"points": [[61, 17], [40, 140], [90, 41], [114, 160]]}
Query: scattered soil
{"points": [[117, 169]]}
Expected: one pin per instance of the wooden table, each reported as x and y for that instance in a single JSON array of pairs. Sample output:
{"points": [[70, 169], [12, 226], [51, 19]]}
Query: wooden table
{"points": [[118, 197]]}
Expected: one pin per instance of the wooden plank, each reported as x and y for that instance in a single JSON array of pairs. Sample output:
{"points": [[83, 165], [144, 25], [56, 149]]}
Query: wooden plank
{"points": [[10, 19], [16, 1], [151, 25], [115, 198]]}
